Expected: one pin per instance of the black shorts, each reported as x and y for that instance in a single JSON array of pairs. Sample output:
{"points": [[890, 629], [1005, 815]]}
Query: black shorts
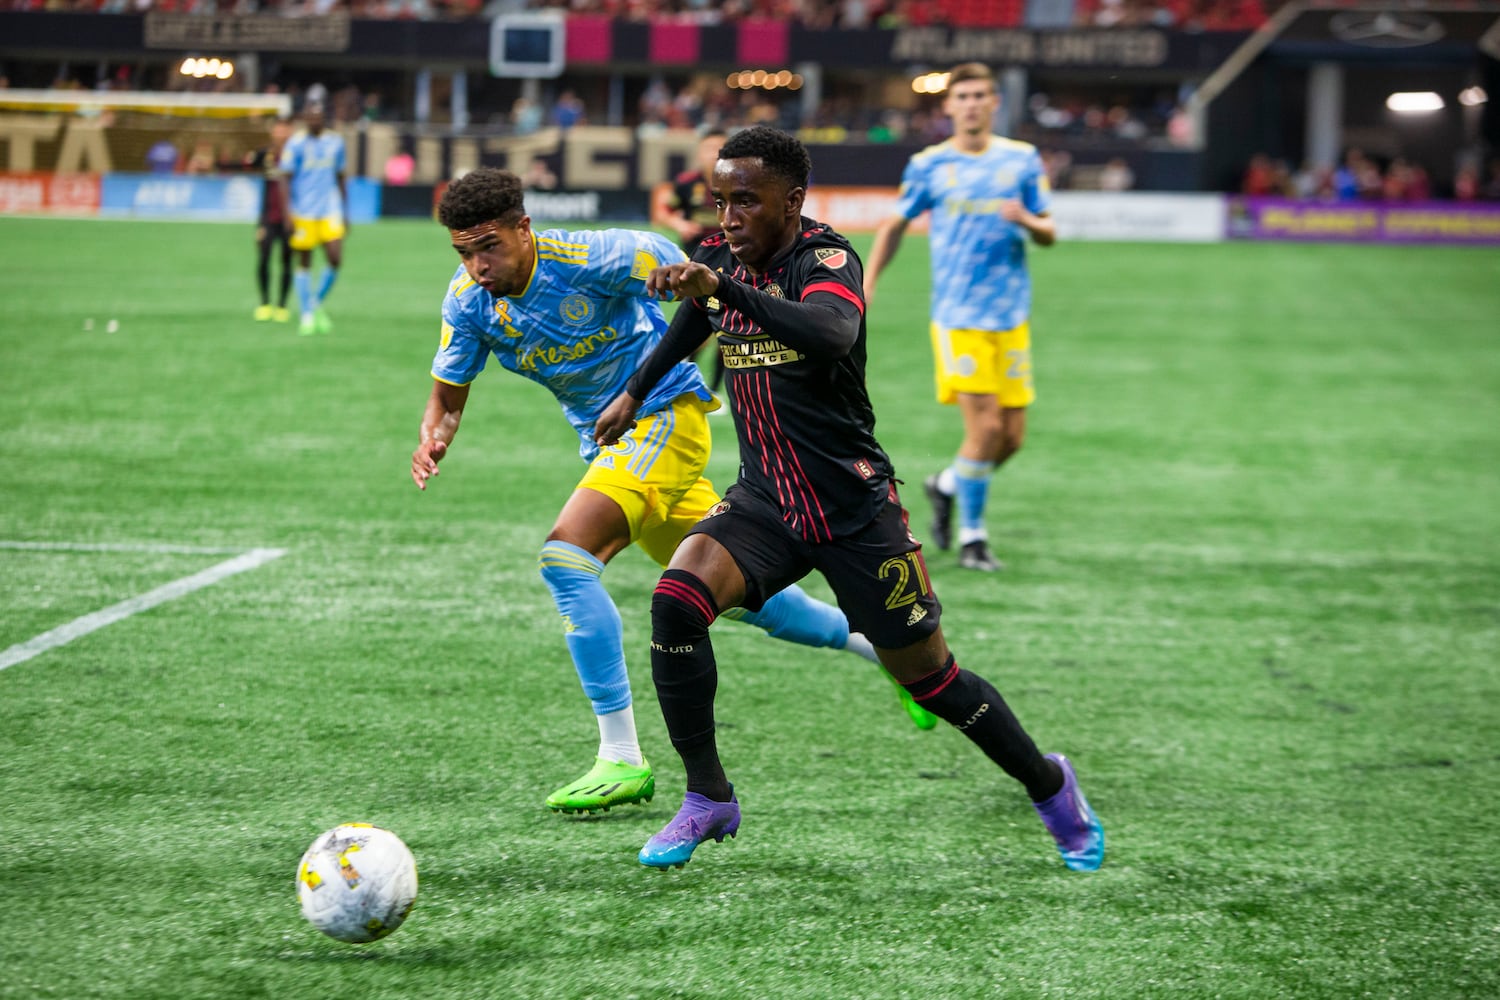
{"points": [[274, 232], [878, 574]]}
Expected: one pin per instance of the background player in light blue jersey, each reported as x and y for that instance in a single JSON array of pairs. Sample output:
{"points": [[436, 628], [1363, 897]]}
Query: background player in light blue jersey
{"points": [[987, 195], [313, 165], [570, 310]]}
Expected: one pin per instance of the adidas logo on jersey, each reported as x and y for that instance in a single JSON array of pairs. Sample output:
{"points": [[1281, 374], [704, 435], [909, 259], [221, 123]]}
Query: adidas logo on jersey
{"points": [[917, 614]]}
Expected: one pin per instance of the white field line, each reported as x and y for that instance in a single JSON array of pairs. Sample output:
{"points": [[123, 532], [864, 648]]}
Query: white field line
{"points": [[23, 651], [166, 549]]}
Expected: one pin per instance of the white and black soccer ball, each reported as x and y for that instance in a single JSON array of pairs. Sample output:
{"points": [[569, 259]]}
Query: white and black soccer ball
{"points": [[357, 883]]}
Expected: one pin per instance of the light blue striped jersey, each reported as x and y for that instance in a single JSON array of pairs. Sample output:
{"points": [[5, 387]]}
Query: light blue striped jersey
{"points": [[312, 165], [582, 326], [979, 279]]}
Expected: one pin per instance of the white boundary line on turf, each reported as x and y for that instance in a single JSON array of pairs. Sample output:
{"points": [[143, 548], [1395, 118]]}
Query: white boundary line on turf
{"points": [[168, 549], [23, 651]]}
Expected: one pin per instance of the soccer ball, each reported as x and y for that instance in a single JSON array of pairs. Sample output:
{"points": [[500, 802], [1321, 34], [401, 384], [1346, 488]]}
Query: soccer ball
{"points": [[357, 882]]}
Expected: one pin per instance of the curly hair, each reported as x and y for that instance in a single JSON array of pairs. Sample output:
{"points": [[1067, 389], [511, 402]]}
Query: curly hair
{"points": [[485, 194], [783, 155]]}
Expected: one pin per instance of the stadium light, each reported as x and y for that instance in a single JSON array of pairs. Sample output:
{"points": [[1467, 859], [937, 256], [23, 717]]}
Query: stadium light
{"points": [[1414, 102], [199, 68], [1472, 97], [764, 79], [930, 83]]}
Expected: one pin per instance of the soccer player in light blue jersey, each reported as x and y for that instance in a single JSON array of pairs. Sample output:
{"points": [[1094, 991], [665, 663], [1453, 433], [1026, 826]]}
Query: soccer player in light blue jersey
{"points": [[313, 166], [987, 196], [570, 310]]}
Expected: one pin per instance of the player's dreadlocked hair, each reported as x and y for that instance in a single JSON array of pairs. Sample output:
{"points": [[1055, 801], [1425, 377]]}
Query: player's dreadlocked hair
{"points": [[485, 194], [782, 154]]}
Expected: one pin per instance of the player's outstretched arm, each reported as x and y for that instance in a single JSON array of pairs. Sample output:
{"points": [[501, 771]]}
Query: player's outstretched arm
{"points": [[824, 325], [445, 407], [691, 280], [887, 240], [689, 328]]}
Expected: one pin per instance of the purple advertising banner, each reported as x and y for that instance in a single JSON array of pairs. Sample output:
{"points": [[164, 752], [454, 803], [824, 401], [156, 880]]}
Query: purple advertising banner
{"points": [[1435, 222]]}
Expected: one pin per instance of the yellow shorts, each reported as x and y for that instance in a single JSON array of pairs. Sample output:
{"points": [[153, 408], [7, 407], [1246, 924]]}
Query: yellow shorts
{"points": [[984, 363], [308, 234], [655, 474]]}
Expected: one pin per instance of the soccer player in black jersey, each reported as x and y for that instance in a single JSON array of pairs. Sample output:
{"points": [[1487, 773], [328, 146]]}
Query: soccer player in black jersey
{"points": [[782, 293], [689, 211], [272, 230]]}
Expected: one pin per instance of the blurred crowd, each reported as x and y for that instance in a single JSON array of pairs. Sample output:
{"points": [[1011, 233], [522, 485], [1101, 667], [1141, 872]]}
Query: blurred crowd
{"points": [[1360, 177], [1186, 15]]}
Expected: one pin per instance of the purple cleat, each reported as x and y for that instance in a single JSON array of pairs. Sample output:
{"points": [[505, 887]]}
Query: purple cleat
{"points": [[699, 819], [1078, 832]]}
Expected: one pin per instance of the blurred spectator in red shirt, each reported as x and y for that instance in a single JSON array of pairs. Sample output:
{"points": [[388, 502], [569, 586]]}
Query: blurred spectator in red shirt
{"points": [[1466, 183], [1260, 179]]}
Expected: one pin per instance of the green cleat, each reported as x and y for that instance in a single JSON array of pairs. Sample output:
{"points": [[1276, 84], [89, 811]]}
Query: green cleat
{"points": [[608, 784], [920, 717], [321, 321], [307, 326]]}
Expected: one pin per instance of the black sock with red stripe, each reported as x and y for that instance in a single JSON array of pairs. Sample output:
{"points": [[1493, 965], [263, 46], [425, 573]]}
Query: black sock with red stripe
{"points": [[972, 704], [686, 677]]}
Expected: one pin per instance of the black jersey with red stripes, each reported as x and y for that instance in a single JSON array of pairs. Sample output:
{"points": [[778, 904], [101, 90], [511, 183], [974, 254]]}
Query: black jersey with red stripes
{"points": [[797, 389], [264, 161]]}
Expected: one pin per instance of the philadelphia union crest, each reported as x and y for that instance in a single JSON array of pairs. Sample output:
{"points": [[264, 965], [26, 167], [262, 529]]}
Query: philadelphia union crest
{"points": [[576, 310]]}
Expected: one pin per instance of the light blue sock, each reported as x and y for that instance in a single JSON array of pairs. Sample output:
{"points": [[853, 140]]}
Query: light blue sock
{"points": [[595, 638], [794, 616], [303, 281], [325, 282], [973, 482]]}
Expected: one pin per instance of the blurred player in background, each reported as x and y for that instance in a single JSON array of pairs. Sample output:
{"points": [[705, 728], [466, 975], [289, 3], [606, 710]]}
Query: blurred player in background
{"points": [[815, 491], [570, 311], [987, 195], [689, 212], [312, 165], [271, 230]]}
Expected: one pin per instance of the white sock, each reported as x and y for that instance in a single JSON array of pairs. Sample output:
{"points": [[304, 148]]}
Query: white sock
{"points": [[860, 646], [947, 482], [967, 535], [617, 739]]}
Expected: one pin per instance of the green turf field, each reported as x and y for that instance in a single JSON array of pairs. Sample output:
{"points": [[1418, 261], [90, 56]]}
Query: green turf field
{"points": [[1253, 591]]}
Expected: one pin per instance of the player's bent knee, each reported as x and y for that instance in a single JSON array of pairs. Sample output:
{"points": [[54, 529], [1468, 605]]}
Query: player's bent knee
{"points": [[565, 568], [682, 608]]}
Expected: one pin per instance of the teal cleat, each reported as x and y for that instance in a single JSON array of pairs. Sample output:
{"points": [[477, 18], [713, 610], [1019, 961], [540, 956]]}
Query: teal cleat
{"points": [[699, 819], [1078, 832]]}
